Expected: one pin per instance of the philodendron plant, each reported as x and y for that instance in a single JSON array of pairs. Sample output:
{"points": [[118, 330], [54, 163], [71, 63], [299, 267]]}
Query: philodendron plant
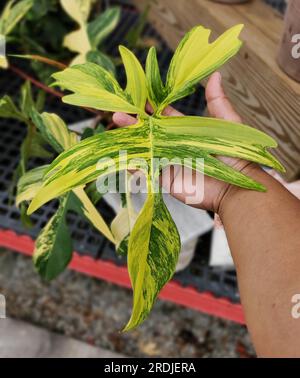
{"points": [[12, 13], [153, 243]]}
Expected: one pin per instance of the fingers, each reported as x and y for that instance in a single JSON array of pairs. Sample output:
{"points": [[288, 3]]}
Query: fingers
{"points": [[171, 112], [218, 104], [123, 119], [149, 108], [168, 111]]}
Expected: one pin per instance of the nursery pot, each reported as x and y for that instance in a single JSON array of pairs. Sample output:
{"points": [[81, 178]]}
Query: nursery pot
{"points": [[289, 52]]}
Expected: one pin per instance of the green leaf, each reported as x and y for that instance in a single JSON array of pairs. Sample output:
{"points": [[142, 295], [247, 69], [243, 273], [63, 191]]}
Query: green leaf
{"points": [[154, 246], [25, 219], [87, 133], [156, 89], [29, 184], [26, 99], [195, 58], [53, 247], [93, 193], [40, 9], [12, 14], [136, 79], [103, 60], [54, 130], [9, 110], [103, 25], [37, 147], [95, 86], [86, 208]]}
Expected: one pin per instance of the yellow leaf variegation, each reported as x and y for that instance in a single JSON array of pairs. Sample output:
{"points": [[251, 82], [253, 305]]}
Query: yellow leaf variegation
{"points": [[54, 130], [78, 40], [95, 87], [124, 221], [153, 250], [29, 184], [79, 10], [136, 79], [3, 60], [87, 37], [153, 243], [52, 244], [12, 13]]}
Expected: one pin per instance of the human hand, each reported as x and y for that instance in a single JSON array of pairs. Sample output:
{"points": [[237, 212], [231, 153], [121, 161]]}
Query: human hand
{"points": [[214, 190]]}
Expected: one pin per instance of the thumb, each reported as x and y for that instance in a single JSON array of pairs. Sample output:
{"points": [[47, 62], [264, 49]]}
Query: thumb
{"points": [[217, 102]]}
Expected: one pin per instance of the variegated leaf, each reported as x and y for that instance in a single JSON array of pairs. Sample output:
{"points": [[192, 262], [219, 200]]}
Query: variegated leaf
{"points": [[78, 40], [153, 250], [103, 25], [12, 14], [154, 243], [195, 58], [56, 133], [3, 60], [29, 184], [9, 110], [156, 89], [78, 10], [86, 208], [53, 247], [54, 130], [124, 221], [95, 86], [136, 79]]}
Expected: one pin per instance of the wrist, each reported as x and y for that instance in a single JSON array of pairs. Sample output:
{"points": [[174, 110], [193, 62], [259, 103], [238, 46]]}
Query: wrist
{"points": [[232, 193]]}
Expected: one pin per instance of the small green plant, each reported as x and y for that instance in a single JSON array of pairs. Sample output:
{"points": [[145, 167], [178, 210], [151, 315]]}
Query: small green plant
{"points": [[152, 242], [86, 40], [12, 14], [53, 250], [42, 31]]}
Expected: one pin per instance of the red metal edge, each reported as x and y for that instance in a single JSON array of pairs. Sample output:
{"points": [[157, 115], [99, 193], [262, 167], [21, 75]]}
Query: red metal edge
{"points": [[108, 271]]}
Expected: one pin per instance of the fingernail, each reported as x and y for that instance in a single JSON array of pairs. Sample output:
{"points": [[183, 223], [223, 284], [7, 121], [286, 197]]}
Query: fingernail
{"points": [[219, 76]]}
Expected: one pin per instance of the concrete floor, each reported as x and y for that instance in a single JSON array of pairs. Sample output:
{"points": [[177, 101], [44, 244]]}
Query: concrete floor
{"points": [[94, 311], [20, 339]]}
